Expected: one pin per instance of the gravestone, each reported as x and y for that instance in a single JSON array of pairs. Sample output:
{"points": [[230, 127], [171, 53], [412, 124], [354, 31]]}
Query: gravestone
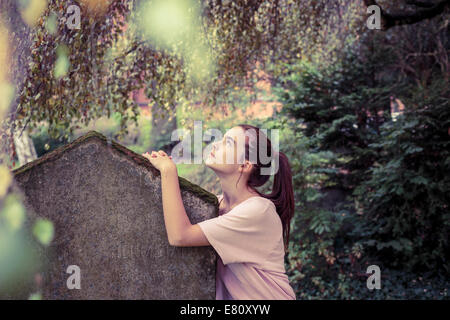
{"points": [[105, 203]]}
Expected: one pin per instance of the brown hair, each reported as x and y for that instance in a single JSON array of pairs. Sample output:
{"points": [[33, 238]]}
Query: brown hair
{"points": [[282, 194]]}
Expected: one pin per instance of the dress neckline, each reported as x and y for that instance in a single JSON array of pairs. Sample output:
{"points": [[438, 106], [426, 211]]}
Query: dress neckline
{"points": [[239, 202]]}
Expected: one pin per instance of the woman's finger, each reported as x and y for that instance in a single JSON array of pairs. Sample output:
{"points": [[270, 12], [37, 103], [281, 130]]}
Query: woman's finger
{"points": [[162, 153]]}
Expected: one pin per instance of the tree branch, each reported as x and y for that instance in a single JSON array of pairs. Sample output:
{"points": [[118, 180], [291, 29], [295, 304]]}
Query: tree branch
{"points": [[133, 48], [396, 19], [420, 3]]}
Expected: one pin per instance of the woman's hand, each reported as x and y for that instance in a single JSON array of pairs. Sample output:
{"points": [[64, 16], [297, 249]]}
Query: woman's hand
{"points": [[161, 161]]}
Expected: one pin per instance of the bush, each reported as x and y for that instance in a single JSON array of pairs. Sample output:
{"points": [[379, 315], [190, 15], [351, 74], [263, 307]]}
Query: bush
{"points": [[405, 200], [394, 173]]}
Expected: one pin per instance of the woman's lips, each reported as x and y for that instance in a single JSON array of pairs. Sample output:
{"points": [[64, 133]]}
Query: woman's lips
{"points": [[212, 154]]}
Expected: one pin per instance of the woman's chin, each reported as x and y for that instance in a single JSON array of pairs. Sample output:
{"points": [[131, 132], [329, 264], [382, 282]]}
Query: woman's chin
{"points": [[209, 161], [210, 164]]}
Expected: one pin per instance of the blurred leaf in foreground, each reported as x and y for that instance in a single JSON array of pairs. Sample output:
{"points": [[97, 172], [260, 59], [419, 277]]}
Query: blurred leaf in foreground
{"points": [[13, 213], [43, 230], [32, 10], [6, 89], [62, 63], [5, 180]]}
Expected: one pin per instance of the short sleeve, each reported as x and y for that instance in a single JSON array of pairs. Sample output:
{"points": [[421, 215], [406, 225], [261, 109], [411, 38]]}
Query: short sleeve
{"points": [[245, 234]]}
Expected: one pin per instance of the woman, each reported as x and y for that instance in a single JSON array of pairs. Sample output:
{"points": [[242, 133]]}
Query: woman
{"points": [[248, 233]]}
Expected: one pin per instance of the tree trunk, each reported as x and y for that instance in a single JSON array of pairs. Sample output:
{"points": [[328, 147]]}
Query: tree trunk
{"points": [[24, 147], [20, 39]]}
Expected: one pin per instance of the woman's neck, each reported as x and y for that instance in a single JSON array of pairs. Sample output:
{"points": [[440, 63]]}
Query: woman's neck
{"points": [[233, 193]]}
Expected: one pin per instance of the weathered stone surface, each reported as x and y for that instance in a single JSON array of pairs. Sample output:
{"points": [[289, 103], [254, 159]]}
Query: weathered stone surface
{"points": [[105, 203]]}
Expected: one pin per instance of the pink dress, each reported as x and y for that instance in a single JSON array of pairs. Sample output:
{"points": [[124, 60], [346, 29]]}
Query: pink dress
{"points": [[249, 242]]}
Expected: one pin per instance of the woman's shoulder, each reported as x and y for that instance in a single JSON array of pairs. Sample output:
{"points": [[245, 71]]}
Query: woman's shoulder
{"points": [[261, 201], [258, 205], [253, 206], [264, 208]]}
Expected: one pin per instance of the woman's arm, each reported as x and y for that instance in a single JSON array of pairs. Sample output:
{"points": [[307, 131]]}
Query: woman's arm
{"points": [[180, 231]]}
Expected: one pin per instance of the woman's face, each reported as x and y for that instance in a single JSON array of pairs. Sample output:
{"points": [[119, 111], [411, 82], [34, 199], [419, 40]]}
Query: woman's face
{"points": [[227, 155]]}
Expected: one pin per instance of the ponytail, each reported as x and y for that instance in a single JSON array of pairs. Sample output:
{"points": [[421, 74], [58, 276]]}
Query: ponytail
{"points": [[282, 194]]}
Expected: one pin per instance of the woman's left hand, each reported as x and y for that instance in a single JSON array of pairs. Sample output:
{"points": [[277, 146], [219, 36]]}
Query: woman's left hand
{"points": [[160, 160]]}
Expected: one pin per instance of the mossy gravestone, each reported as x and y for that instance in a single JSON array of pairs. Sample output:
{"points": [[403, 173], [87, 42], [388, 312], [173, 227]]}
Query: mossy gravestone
{"points": [[105, 203]]}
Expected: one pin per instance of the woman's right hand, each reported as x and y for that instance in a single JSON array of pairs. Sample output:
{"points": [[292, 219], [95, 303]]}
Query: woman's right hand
{"points": [[160, 160]]}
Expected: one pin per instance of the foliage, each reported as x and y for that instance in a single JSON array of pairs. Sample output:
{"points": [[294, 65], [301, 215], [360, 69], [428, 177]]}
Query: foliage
{"points": [[20, 242], [43, 143], [77, 75], [84, 88], [405, 201], [18, 248], [337, 82], [394, 173], [340, 108]]}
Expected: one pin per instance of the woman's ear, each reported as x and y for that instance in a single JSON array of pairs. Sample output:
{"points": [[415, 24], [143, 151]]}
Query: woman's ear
{"points": [[246, 167]]}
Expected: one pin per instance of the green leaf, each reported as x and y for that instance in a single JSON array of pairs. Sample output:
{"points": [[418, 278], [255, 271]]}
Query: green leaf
{"points": [[52, 23], [419, 180], [13, 213], [43, 230]]}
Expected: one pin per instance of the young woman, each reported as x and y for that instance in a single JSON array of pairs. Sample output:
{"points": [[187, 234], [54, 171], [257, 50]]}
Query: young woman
{"points": [[248, 233]]}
